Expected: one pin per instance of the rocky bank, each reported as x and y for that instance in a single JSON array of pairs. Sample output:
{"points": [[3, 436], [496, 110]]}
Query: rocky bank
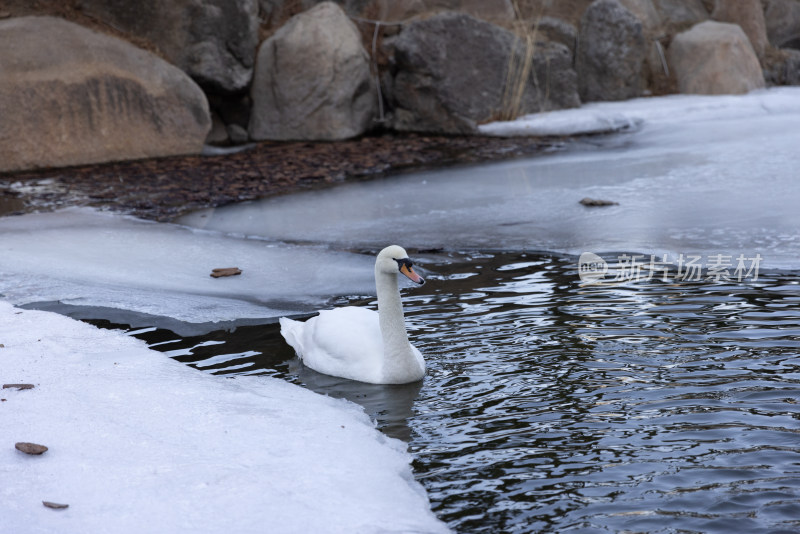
{"points": [[91, 81]]}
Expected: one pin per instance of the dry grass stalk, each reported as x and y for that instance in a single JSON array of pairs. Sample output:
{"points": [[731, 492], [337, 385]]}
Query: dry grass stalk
{"points": [[519, 65]]}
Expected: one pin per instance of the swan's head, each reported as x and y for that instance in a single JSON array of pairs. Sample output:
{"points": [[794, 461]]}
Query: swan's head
{"points": [[393, 260]]}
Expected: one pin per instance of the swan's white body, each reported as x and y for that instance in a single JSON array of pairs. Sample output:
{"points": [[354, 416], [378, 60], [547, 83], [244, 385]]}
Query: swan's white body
{"points": [[358, 343]]}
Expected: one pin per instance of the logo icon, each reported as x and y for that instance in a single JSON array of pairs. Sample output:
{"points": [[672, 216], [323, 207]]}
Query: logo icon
{"points": [[592, 268]]}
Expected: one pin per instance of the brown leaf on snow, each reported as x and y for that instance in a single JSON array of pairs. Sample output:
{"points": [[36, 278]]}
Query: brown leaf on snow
{"points": [[30, 448], [225, 271]]}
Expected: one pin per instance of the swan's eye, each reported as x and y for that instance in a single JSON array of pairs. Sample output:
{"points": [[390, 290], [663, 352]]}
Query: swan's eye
{"points": [[404, 261]]}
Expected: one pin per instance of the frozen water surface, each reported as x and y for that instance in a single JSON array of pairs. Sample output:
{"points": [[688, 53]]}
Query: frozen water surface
{"points": [[698, 175], [83, 257]]}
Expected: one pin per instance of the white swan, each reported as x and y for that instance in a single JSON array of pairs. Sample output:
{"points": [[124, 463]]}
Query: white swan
{"points": [[358, 343]]}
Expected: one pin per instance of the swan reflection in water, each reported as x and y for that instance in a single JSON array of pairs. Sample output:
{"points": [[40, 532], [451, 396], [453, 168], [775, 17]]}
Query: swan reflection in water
{"points": [[391, 405]]}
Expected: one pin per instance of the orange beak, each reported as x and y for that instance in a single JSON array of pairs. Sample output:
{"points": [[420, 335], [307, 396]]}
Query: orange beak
{"points": [[409, 272]]}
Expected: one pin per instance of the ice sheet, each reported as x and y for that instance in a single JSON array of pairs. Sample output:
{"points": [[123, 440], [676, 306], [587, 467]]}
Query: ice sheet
{"points": [[84, 257], [139, 443], [701, 175]]}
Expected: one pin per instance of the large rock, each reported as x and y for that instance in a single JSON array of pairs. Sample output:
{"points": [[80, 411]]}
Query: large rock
{"points": [[782, 67], [749, 14], [680, 15], [313, 80], [656, 74], [648, 15], [214, 41], [451, 72], [557, 31], [271, 8], [783, 23], [567, 10], [275, 13], [399, 10], [611, 52], [79, 97], [715, 58]]}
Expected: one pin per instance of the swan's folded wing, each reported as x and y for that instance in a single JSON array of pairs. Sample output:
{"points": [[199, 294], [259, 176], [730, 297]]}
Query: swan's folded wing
{"points": [[345, 342]]}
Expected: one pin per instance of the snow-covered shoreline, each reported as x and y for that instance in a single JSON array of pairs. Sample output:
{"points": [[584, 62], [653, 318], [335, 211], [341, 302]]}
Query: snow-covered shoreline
{"points": [[140, 443], [609, 117]]}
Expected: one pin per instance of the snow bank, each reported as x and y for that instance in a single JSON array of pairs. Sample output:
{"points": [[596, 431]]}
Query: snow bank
{"points": [[139, 443], [607, 117]]}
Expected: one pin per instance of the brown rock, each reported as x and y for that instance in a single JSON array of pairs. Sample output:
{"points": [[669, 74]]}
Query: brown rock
{"points": [[213, 41], [82, 97], [749, 14], [714, 58], [30, 448]]}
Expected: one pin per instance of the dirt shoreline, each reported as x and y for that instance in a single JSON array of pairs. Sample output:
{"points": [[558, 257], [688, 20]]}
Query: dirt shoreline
{"points": [[163, 189]]}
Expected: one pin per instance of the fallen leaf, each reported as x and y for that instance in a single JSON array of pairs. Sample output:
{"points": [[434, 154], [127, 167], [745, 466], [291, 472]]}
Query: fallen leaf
{"points": [[225, 271], [55, 505], [30, 448], [594, 202]]}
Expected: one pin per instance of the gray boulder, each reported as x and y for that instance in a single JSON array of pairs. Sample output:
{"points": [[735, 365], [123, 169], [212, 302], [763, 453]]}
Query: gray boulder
{"points": [[715, 58], [783, 67], [274, 13], [451, 72], [312, 80], [680, 15], [569, 11], [398, 10], [214, 41], [557, 31], [783, 23], [81, 97], [646, 12], [611, 53], [656, 74]]}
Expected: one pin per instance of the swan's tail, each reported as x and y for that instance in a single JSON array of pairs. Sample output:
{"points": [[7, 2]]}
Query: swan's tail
{"points": [[292, 332]]}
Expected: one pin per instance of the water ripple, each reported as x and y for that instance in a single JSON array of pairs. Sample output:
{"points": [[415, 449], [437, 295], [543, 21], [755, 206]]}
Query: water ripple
{"points": [[551, 407]]}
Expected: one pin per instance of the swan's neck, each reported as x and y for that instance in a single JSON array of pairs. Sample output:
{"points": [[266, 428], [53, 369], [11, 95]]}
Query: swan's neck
{"points": [[399, 359]]}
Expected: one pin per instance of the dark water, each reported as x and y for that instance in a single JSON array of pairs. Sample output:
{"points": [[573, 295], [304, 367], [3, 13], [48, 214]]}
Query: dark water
{"points": [[551, 407]]}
